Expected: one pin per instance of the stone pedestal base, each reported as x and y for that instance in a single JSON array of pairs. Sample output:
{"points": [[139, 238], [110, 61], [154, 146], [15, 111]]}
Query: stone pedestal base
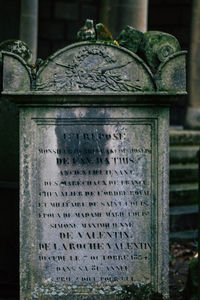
{"points": [[192, 118]]}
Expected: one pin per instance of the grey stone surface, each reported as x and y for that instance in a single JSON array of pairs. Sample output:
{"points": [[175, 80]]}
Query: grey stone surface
{"points": [[94, 67], [94, 174], [82, 67], [157, 46], [18, 47], [18, 75], [91, 32], [130, 38], [92, 219], [87, 31], [171, 75]]}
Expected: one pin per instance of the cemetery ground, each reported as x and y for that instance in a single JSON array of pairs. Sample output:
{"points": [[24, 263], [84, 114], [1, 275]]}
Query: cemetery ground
{"points": [[181, 256]]}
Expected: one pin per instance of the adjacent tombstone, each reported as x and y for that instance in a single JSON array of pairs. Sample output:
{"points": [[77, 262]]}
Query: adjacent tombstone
{"points": [[94, 174]]}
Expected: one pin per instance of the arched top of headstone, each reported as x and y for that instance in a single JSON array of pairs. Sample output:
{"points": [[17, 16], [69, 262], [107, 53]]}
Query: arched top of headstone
{"points": [[94, 67], [17, 75], [90, 67]]}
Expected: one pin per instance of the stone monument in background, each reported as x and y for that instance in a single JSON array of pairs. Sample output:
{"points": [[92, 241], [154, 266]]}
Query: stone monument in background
{"points": [[94, 166]]}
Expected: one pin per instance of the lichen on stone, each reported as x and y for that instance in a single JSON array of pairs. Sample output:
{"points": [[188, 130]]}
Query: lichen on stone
{"points": [[130, 38], [18, 47], [139, 291]]}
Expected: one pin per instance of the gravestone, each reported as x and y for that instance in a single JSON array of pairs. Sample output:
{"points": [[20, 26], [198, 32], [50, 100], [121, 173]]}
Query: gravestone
{"points": [[94, 174]]}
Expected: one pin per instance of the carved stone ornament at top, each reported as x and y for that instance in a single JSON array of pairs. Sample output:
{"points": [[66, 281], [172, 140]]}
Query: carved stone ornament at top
{"points": [[93, 68]]}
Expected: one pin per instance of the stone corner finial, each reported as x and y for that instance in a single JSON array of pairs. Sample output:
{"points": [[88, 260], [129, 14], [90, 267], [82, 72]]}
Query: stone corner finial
{"points": [[94, 32], [130, 38], [154, 47], [86, 32], [157, 46], [17, 47]]}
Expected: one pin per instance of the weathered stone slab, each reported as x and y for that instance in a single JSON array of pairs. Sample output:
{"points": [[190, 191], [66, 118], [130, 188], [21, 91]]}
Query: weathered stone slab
{"points": [[93, 201], [94, 174]]}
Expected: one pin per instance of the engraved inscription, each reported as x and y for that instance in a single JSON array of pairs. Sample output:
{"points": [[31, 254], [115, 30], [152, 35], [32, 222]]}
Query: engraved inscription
{"points": [[94, 202]]}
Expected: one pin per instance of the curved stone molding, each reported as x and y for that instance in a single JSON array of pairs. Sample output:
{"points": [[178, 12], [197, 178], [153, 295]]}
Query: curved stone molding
{"points": [[94, 67], [157, 46], [16, 74], [17, 47], [130, 38], [171, 75]]}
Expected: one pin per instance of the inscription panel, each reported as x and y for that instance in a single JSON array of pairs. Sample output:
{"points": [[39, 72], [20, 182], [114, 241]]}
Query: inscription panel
{"points": [[95, 207]]}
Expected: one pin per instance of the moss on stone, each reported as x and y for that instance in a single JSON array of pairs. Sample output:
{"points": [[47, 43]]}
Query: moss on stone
{"points": [[18, 47], [139, 292], [157, 46], [130, 38]]}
